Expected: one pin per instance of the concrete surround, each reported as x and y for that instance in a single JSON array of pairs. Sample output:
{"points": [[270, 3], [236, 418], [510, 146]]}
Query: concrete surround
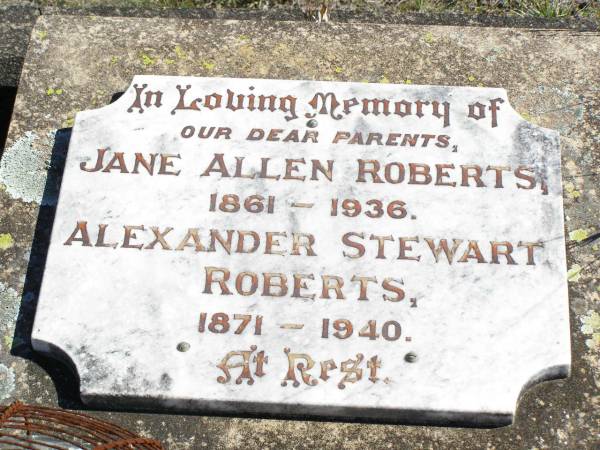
{"points": [[78, 65]]}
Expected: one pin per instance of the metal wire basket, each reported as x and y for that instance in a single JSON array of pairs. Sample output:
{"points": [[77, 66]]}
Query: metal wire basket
{"points": [[40, 428]]}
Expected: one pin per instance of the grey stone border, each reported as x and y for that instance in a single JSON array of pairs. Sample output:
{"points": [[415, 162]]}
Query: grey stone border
{"points": [[374, 15], [13, 45]]}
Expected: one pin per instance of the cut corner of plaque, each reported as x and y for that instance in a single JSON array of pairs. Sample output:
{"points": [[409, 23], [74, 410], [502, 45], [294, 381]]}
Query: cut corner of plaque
{"points": [[499, 419], [549, 373], [526, 119], [55, 352], [116, 100]]}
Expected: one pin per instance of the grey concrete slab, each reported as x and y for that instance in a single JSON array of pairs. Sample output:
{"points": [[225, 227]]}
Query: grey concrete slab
{"points": [[551, 79]]}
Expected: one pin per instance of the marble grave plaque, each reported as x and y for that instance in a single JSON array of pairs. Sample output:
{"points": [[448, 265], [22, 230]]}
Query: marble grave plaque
{"points": [[376, 251]]}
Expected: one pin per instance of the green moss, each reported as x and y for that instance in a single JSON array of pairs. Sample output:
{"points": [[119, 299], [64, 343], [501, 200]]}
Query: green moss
{"points": [[147, 60], [6, 241], [180, 53], [8, 341], [208, 65], [574, 273], [42, 35], [572, 192], [54, 91], [69, 122], [525, 115], [578, 235]]}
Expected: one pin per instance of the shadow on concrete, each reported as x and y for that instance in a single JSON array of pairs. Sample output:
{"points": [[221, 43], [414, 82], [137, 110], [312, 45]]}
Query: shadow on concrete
{"points": [[64, 378], [7, 100]]}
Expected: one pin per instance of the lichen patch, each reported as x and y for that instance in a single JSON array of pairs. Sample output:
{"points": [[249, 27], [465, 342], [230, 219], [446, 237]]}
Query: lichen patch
{"points": [[9, 309], [23, 167], [7, 382], [591, 328]]}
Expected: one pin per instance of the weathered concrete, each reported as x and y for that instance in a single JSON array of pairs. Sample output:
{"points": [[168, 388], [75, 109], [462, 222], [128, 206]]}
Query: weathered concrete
{"points": [[17, 18], [552, 80]]}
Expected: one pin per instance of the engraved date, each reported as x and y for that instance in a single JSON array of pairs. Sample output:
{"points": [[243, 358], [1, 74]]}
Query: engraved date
{"points": [[343, 329], [220, 323], [371, 208], [232, 203]]}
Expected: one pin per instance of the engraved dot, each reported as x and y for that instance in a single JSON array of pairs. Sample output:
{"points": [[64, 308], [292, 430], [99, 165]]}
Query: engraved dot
{"points": [[312, 123], [413, 217], [410, 357], [183, 347]]}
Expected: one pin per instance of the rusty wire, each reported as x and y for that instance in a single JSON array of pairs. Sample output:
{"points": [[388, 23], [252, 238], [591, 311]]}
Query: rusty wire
{"points": [[40, 428]]}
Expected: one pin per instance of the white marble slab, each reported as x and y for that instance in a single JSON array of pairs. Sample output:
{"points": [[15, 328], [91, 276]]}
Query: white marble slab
{"points": [[136, 312]]}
